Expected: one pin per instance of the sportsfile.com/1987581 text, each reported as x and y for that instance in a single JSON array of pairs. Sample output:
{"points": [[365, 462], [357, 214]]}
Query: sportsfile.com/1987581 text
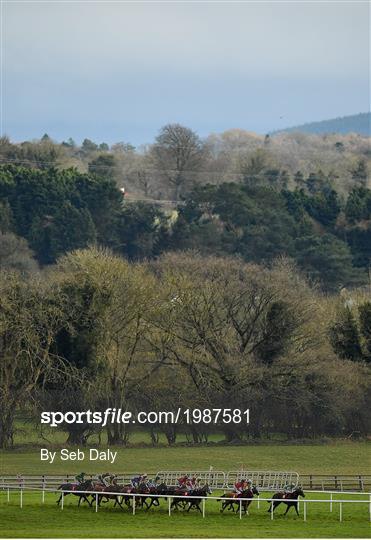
{"points": [[119, 416]]}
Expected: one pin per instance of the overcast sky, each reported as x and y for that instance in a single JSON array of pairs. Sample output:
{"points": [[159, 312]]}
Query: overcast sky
{"points": [[118, 71]]}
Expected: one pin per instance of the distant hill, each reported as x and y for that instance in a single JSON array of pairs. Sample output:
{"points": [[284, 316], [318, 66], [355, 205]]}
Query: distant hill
{"points": [[356, 123]]}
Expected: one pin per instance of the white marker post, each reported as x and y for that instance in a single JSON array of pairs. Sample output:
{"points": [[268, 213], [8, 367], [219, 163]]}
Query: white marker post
{"points": [[340, 511], [9, 495], [21, 501], [169, 506], [330, 502], [203, 507], [96, 502], [305, 511], [271, 509], [240, 509], [62, 500], [133, 505], [258, 502]]}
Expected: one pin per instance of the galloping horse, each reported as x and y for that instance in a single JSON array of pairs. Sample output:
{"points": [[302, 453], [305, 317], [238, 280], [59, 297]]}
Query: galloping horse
{"points": [[246, 494], [173, 492], [109, 492], [192, 503], [69, 488], [281, 496], [161, 489]]}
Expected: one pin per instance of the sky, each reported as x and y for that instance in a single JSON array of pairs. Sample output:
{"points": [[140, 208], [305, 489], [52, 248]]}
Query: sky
{"points": [[117, 71]]}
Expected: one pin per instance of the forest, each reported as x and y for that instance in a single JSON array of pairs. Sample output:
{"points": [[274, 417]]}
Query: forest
{"points": [[234, 270]]}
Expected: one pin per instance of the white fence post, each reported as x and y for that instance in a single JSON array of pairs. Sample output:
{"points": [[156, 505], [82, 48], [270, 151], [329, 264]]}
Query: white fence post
{"points": [[271, 509], [240, 509], [331, 502], [21, 501], [133, 505], [62, 500], [96, 502], [9, 495], [169, 506], [258, 502], [203, 507], [305, 511], [340, 511]]}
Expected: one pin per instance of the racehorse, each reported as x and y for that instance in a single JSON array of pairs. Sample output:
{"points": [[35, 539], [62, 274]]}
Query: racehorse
{"points": [[69, 488], [246, 494], [179, 490], [281, 496], [109, 492], [161, 489], [193, 503]]}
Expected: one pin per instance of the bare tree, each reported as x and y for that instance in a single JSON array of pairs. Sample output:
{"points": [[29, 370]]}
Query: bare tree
{"points": [[178, 154]]}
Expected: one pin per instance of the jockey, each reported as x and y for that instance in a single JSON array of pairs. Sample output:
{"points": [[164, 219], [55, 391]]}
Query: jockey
{"points": [[288, 489], [240, 486], [153, 483], [106, 478], [80, 478], [196, 482], [183, 481], [137, 480], [191, 483]]}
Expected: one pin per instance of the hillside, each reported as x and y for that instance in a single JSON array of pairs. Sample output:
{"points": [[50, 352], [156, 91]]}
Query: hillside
{"points": [[356, 123]]}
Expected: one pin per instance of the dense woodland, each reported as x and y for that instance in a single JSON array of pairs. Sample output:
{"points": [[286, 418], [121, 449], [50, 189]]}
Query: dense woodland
{"points": [[238, 265]]}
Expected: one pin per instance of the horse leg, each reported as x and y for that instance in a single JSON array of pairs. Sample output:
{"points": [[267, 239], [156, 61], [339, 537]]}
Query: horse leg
{"points": [[289, 505], [195, 504]]}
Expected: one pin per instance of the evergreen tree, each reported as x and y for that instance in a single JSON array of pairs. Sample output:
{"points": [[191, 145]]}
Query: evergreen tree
{"points": [[345, 337]]}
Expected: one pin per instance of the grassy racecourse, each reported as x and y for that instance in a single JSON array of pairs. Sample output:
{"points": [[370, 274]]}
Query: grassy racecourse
{"points": [[47, 520]]}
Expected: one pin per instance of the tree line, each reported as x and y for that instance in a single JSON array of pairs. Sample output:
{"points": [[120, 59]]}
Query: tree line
{"points": [[184, 330], [45, 213]]}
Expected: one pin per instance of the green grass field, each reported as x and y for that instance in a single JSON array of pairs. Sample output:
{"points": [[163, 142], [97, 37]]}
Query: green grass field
{"points": [[46, 520]]}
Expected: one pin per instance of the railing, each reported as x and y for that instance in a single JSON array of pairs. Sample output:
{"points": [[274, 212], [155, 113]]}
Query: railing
{"points": [[264, 479], [216, 480], [203, 499], [341, 482]]}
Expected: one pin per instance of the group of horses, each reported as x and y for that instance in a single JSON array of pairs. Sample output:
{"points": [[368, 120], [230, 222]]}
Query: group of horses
{"points": [[92, 491]]}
